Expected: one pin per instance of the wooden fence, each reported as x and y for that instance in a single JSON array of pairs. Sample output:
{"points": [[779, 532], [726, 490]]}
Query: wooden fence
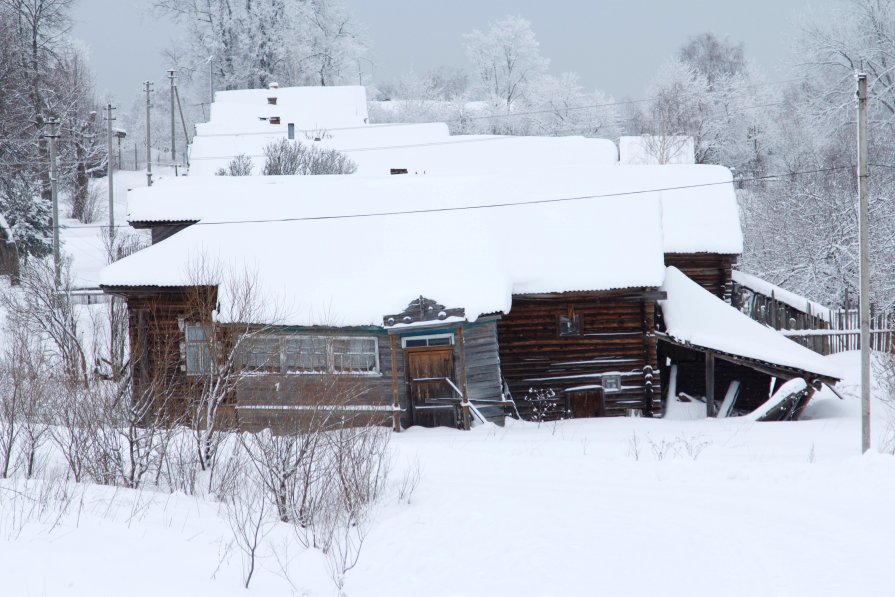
{"points": [[844, 332], [826, 331]]}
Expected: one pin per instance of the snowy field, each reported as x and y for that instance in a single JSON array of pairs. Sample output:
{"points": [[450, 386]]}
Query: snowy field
{"points": [[585, 507]]}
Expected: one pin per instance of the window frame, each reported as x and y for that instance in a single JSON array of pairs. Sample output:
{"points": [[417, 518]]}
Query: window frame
{"points": [[572, 317], [616, 377], [428, 337], [203, 347], [330, 358]]}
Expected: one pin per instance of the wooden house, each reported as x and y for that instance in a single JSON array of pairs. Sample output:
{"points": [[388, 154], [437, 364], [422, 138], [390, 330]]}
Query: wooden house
{"points": [[428, 300]]}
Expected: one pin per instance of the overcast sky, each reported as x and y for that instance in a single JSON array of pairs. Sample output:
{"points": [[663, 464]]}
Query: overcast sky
{"points": [[614, 45]]}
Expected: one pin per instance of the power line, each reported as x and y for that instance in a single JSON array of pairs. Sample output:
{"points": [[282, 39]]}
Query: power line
{"points": [[496, 205], [511, 114]]}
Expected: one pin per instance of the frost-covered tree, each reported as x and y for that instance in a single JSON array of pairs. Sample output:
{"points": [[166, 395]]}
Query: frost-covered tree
{"points": [[507, 58], [251, 44]]}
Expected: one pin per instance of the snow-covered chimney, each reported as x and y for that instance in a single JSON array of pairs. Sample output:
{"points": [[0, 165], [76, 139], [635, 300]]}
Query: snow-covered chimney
{"points": [[274, 85]]}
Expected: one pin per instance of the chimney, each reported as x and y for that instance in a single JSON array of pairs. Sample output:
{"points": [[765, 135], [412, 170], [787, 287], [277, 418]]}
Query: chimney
{"points": [[272, 100], [274, 85], [398, 171]]}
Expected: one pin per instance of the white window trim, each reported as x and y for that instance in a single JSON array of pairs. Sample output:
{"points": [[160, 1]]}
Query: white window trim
{"points": [[204, 368], [615, 376], [330, 358], [427, 337]]}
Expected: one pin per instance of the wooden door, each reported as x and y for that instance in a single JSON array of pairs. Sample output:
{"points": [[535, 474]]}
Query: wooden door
{"points": [[586, 404], [431, 396]]}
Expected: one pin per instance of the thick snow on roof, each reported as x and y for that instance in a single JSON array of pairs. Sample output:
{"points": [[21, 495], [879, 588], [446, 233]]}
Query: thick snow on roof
{"points": [[699, 209], [353, 271], [647, 150], [781, 294], [428, 147], [696, 316], [248, 110], [208, 153]]}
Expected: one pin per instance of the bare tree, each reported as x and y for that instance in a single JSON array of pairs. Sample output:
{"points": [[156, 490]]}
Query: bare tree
{"points": [[240, 165], [507, 58], [286, 157]]}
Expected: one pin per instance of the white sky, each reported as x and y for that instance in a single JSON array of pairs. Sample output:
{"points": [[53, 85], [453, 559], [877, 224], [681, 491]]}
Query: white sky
{"points": [[614, 45]]}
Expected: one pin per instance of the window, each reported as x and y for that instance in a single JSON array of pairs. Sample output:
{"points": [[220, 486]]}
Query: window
{"points": [[262, 354], [311, 354], [305, 354], [354, 355], [612, 383], [423, 341], [198, 355], [570, 325]]}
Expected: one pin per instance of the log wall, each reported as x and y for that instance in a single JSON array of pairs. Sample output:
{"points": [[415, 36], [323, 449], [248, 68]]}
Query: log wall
{"points": [[614, 339], [712, 271]]}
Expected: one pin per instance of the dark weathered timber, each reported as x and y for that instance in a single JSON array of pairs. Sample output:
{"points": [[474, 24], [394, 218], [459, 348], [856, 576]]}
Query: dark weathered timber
{"points": [[422, 309], [614, 339], [712, 271]]}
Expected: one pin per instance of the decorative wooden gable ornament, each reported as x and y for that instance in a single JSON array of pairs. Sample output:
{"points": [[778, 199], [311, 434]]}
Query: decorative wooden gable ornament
{"points": [[422, 310]]}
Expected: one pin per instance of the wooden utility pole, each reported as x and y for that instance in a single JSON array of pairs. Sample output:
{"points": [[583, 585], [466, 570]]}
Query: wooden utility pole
{"points": [[864, 239], [109, 120], [173, 144], [54, 194], [147, 87]]}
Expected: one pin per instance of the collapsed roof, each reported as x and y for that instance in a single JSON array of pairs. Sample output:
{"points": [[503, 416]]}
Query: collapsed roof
{"points": [[696, 318]]}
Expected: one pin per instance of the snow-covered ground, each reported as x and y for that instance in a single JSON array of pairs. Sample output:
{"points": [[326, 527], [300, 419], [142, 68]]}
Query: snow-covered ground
{"points": [[582, 507], [83, 243]]}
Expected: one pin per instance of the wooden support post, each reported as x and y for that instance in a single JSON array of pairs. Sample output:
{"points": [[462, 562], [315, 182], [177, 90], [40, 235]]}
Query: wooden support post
{"points": [[396, 403], [461, 345], [709, 384], [650, 353]]}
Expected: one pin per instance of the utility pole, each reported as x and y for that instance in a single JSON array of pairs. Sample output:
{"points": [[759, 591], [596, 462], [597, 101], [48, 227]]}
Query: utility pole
{"points": [[147, 87], [57, 267], [210, 81], [864, 236], [173, 144], [109, 120]]}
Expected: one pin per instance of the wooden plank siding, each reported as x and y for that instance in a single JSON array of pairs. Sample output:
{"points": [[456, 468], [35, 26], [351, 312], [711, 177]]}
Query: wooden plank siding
{"points": [[612, 340], [712, 271], [282, 401]]}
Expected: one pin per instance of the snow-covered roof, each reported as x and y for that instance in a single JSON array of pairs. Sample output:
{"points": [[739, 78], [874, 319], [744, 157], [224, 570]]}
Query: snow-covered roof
{"points": [[695, 316], [699, 209], [337, 270], [787, 297], [652, 150], [427, 147], [247, 111]]}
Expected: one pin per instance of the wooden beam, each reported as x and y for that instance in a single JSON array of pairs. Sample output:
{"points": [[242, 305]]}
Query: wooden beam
{"points": [[396, 404], [461, 346], [709, 384]]}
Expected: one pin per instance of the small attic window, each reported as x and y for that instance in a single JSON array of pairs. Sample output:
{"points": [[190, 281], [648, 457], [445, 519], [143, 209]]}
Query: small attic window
{"points": [[612, 383], [570, 325], [274, 120], [398, 171], [272, 100]]}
